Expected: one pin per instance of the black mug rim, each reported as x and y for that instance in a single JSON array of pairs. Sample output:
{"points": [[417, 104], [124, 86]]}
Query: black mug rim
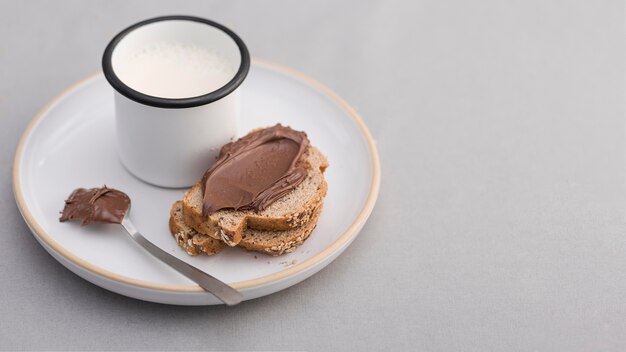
{"points": [[175, 103]]}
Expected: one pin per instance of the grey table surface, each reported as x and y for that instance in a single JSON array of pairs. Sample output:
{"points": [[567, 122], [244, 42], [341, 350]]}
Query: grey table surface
{"points": [[500, 222]]}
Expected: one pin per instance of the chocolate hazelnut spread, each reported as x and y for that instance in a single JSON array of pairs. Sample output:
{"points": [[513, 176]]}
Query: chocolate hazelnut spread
{"points": [[254, 171], [96, 206]]}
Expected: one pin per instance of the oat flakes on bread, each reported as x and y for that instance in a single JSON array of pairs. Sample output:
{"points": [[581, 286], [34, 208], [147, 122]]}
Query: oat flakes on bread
{"points": [[279, 242], [189, 239], [265, 241], [296, 208]]}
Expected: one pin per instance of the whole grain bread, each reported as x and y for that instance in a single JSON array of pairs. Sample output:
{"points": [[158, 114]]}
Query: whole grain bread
{"points": [[189, 239], [268, 242], [291, 211], [276, 243]]}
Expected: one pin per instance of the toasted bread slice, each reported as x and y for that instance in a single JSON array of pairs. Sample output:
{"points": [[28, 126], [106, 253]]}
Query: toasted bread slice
{"points": [[268, 242], [276, 243], [293, 210], [189, 239]]}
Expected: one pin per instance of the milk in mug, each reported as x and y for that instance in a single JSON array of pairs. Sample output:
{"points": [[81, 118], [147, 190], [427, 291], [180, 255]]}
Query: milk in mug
{"points": [[169, 69]]}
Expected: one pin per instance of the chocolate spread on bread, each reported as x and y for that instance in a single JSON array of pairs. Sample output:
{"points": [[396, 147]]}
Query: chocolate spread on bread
{"points": [[96, 206], [254, 171]]}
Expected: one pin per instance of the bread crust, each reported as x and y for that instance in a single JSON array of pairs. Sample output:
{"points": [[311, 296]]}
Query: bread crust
{"points": [[268, 242], [279, 242], [191, 241]]}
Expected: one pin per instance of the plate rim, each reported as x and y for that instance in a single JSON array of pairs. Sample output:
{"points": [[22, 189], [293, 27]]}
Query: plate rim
{"points": [[345, 238]]}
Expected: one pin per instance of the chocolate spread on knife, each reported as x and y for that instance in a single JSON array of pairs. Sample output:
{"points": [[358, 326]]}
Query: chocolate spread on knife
{"points": [[254, 171], [96, 206]]}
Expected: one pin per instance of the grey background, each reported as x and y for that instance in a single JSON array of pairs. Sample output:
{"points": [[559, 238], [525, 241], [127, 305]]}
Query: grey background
{"points": [[500, 222]]}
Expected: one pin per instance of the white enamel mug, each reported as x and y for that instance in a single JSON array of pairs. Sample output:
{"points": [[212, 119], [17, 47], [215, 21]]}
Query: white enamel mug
{"points": [[170, 139]]}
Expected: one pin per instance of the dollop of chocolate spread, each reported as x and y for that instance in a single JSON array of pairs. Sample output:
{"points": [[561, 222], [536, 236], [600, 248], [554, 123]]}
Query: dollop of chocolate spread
{"points": [[96, 206], [256, 170]]}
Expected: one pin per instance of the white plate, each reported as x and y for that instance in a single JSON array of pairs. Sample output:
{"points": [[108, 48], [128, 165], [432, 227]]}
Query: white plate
{"points": [[71, 143]]}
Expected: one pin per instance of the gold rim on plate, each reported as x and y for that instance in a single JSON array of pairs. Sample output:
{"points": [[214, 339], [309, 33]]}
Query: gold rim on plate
{"points": [[348, 235]]}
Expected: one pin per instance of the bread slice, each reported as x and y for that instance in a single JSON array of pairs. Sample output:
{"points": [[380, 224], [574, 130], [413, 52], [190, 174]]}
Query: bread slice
{"points": [[291, 211], [189, 239], [276, 243], [269, 242]]}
